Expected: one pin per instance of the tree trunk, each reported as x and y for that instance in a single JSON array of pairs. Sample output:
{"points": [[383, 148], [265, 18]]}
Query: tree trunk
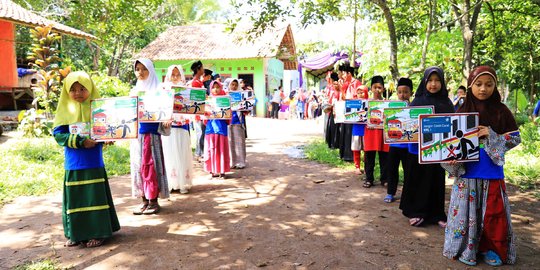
{"points": [[393, 37], [468, 25], [110, 67]]}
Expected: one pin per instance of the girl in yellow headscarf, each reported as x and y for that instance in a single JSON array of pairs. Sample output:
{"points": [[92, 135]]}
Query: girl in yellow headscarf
{"points": [[88, 212]]}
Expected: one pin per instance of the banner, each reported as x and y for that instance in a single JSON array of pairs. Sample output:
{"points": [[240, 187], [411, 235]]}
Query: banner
{"points": [[401, 124], [155, 106], [375, 111], [218, 107], [447, 137], [242, 100], [189, 100], [114, 118]]}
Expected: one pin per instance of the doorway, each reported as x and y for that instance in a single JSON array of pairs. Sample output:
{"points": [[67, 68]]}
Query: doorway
{"points": [[248, 79]]}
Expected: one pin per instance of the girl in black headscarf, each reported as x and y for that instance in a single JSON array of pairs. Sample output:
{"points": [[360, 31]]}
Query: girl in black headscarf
{"points": [[423, 188]]}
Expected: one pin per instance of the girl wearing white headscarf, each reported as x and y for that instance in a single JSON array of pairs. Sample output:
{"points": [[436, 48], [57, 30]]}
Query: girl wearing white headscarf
{"points": [[237, 133], [148, 176], [177, 146]]}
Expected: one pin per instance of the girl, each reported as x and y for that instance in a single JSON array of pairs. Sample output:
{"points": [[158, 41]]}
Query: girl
{"points": [[198, 70], [358, 130], [479, 211], [88, 212], [332, 129], [177, 146], [422, 198], [237, 134], [148, 176], [216, 145], [374, 142], [398, 152]]}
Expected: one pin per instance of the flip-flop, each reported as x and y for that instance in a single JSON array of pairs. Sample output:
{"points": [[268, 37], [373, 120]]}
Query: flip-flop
{"points": [[492, 258], [389, 198], [442, 224], [94, 243], [467, 262], [367, 184], [416, 221], [70, 243]]}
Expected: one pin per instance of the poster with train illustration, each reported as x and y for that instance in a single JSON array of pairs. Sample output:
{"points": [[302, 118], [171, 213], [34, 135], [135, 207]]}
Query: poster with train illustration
{"points": [[80, 128], [401, 124], [155, 106], [375, 111], [447, 137], [114, 118], [242, 100], [352, 111], [189, 100], [218, 107]]}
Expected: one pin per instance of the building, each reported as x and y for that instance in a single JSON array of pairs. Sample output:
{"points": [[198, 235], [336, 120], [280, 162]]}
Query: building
{"points": [[260, 62]]}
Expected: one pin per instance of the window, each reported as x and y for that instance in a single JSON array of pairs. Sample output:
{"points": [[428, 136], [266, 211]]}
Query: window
{"points": [[455, 127], [428, 137], [471, 121]]}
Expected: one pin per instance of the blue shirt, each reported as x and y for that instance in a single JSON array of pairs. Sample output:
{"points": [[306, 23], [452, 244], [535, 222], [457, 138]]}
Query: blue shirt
{"points": [[400, 145], [413, 148], [146, 128], [81, 158], [483, 169], [237, 119], [537, 109], [358, 129], [216, 127], [186, 126]]}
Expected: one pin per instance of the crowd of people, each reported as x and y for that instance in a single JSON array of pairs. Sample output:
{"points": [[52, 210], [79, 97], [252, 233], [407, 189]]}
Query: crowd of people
{"points": [[477, 222], [478, 218], [299, 104]]}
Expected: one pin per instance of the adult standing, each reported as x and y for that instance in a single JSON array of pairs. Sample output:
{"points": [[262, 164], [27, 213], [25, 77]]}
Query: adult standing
{"points": [[276, 101]]}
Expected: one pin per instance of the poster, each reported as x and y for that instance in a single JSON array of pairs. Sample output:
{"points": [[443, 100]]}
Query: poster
{"points": [[114, 118], [376, 108], [446, 137], [242, 100], [218, 107], [189, 100], [352, 111], [401, 124], [155, 106], [80, 128]]}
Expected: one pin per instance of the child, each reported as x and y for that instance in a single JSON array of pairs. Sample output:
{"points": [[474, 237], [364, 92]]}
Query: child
{"points": [[398, 152], [422, 198], [237, 134], [148, 176], [479, 211], [357, 143], [374, 142], [198, 70], [177, 147], [88, 212], [216, 145]]}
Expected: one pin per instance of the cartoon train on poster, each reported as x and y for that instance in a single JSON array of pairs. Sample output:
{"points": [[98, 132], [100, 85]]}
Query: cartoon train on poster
{"points": [[99, 128], [375, 117], [461, 143], [394, 129]]}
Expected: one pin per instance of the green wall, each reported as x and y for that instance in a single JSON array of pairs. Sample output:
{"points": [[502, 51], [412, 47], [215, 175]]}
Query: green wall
{"points": [[230, 68]]}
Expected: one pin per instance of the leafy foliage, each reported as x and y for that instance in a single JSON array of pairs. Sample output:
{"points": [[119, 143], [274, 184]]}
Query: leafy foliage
{"points": [[34, 123], [110, 86]]}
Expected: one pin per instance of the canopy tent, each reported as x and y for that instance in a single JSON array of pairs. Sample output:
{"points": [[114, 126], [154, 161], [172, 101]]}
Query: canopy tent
{"points": [[323, 62]]}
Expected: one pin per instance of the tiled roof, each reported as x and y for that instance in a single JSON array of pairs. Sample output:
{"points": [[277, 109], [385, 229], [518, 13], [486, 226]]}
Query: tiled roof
{"points": [[213, 42], [12, 12]]}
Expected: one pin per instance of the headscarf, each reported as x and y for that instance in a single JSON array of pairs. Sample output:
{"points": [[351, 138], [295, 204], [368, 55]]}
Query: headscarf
{"points": [[493, 112], [151, 83], [221, 93], [229, 84], [439, 100], [70, 111], [170, 71], [226, 84]]}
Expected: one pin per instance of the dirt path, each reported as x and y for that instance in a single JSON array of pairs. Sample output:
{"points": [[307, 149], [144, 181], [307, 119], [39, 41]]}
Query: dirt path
{"points": [[269, 215]]}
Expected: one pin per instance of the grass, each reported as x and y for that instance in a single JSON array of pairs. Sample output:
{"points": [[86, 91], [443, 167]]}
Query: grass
{"points": [[47, 264], [35, 166]]}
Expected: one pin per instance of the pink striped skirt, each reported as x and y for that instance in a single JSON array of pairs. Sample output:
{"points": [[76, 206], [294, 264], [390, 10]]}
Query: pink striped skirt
{"points": [[216, 154]]}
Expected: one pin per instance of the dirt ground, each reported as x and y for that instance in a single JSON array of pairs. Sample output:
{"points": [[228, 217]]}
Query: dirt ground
{"points": [[271, 215]]}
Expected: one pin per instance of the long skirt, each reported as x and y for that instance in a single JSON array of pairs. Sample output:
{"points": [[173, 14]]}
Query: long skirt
{"points": [[87, 207], [479, 220], [423, 191], [345, 139], [148, 178], [237, 144], [178, 159], [331, 132], [216, 154]]}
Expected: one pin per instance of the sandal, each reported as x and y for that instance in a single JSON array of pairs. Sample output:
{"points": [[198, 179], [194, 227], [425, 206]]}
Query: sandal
{"points": [[367, 184], [389, 198], [152, 208], [416, 222], [442, 223], [140, 210], [492, 258], [70, 243], [468, 262], [94, 243]]}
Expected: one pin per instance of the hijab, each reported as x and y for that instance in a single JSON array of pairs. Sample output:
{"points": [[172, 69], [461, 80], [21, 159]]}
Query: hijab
{"points": [[439, 100], [151, 83], [221, 93], [168, 77], [493, 112], [70, 111], [229, 85], [226, 84]]}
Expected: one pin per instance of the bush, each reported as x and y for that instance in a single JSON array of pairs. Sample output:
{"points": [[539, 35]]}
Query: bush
{"points": [[109, 86], [34, 124]]}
